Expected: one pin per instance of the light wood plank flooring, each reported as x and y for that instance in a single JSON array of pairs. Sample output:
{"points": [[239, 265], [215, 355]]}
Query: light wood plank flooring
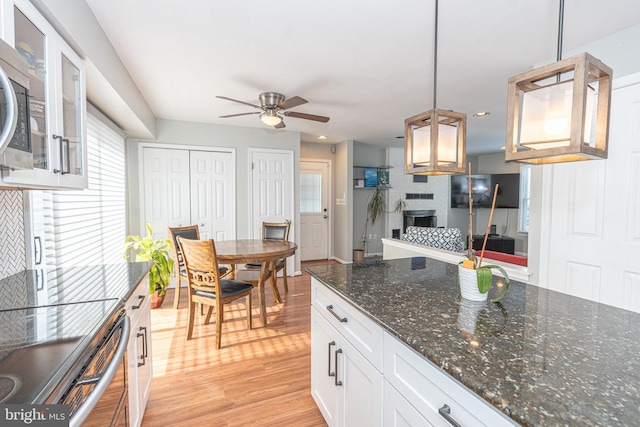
{"points": [[259, 377]]}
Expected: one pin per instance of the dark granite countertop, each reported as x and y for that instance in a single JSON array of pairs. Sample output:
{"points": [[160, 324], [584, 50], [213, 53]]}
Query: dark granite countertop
{"points": [[541, 357]]}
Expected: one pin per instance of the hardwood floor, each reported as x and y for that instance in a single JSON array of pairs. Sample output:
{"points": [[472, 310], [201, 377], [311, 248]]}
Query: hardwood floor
{"points": [[259, 377]]}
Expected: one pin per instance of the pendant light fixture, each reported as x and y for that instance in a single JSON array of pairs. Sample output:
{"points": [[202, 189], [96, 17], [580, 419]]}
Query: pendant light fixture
{"points": [[435, 140], [559, 112]]}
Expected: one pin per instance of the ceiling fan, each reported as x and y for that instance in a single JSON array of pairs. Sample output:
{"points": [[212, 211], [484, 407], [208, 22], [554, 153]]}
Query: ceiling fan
{"points": [[273, 107]]}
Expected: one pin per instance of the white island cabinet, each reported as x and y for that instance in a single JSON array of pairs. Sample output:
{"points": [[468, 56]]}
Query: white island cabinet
{"points": [[57, 101], [346, 360], [139, 352], [362, 375]]}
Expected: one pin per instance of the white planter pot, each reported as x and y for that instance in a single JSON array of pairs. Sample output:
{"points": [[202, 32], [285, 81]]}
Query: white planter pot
{"points": [[468, 279]]}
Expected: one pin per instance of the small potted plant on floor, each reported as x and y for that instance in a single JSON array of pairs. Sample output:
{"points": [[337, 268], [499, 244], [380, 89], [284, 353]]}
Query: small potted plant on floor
{"points": [[475, 279], [157, 251]]}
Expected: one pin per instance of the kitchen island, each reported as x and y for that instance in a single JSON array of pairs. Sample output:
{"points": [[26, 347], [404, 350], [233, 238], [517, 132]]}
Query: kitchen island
{"points": [[539, 357]]}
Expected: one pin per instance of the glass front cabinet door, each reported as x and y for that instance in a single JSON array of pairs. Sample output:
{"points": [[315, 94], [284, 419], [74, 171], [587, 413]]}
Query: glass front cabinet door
{"points": [[57, 102]]}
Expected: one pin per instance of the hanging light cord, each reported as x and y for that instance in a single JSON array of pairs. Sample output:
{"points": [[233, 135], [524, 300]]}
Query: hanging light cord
{"points": [[435, 58], [560, 32], [560, 29]]}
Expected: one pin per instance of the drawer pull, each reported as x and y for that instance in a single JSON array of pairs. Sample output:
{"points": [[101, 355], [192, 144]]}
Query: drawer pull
{"points": [[331, 374], [445, 412], [341, 319], [336, 379], [135, 307]]}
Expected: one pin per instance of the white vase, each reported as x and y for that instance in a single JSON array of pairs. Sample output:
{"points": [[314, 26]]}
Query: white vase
{"points": [[468, 279]]}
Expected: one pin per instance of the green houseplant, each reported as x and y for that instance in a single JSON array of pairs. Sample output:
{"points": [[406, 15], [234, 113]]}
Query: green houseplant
{"points": [[156, 250], [376, 206]]}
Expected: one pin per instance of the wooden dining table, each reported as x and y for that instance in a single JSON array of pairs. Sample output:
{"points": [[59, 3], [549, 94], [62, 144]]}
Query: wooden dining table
{"points": [[267, 252]]}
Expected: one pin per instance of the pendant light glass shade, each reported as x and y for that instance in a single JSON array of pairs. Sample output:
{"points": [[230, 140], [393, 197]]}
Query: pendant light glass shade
{"points": [[435, 143], [559, 112]]}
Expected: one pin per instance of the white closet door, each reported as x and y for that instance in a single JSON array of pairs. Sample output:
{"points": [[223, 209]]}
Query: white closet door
{"points": [[166, 190], [213, 194]]}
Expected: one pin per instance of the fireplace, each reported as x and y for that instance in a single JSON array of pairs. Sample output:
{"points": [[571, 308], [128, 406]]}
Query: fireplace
{"points": [[420, 218]]}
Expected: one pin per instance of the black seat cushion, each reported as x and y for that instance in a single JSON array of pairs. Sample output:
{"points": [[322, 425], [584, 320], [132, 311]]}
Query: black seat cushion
{"points": [[257, 266], [229, 289]]}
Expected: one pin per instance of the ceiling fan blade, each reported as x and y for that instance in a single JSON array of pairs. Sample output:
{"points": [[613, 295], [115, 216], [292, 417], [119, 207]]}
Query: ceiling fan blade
{"points": [[280, 125], [241, 114], [240, 102], [292, 102], [306, 116]]}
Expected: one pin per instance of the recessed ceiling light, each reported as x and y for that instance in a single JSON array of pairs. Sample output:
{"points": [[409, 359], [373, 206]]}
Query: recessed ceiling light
{"points": [[323, 137], [503, 148], [482, 114]]}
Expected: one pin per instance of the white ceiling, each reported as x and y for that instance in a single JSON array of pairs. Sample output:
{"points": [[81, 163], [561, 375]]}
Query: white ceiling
{"points": [[367, 64]]}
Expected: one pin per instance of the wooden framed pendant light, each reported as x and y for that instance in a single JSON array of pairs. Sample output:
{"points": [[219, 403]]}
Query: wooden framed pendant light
{"points": [[435, 140], [559, 112]]}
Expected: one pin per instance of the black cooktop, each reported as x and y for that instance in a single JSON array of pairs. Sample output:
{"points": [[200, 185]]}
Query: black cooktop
{"points": [[50, 319]]}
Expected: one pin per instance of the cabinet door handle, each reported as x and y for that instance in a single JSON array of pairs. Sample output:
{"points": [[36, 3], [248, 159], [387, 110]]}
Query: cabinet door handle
{"points": [[341, 319], [135, 307], [331, 374], [37, 249], [445, 412], [144, 355], [67, 169], [61, 170], [336, 379]]}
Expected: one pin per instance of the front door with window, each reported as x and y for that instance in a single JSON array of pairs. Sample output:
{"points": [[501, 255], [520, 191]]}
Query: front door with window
{"points": [[314, 214]]}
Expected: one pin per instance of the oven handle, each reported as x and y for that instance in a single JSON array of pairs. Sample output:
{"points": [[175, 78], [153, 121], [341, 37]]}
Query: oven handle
{"points": [[87, 406], [9, 126]]}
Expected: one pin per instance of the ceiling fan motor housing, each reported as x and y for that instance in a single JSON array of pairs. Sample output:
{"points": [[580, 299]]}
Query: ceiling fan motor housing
{"points": [[270, 99]]}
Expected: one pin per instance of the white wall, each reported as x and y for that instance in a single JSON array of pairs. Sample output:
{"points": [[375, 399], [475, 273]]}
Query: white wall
{"points": [[343, 213], [209, 135]]}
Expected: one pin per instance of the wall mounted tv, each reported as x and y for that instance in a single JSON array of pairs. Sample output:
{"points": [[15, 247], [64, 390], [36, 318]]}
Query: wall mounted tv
{"points": [[482, 190]]}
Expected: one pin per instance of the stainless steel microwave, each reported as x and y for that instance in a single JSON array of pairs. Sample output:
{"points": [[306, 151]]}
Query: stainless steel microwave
{"points": [[15, 133]]}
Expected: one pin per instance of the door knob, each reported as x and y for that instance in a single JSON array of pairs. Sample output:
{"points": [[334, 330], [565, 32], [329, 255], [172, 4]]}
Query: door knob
{"points": [[201, 225], [324, 216]]}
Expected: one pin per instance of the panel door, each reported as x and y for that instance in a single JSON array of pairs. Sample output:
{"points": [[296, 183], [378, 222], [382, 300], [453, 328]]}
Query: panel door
{"points": [[591, 230], [213, 194], [166, 189], [314, 213], [272, 192]]}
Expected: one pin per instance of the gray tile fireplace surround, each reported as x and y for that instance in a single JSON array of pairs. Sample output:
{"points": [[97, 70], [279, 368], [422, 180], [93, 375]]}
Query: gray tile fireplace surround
{"points": [[12, 237]]}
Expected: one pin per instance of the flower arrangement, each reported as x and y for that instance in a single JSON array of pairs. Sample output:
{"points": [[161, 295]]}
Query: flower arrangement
{"points": [[483, 273]]}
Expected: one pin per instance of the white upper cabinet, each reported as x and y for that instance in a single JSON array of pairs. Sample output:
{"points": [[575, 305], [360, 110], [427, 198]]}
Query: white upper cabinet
{"points": [[57, 101]]}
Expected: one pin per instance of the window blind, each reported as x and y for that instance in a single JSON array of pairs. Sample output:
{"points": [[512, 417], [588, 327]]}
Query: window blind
{"points": [[88, 227], [525, 189]]}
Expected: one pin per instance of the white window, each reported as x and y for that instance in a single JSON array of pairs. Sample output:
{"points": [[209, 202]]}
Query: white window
{"points": [[86, 227], [310, 192], [525, 190]]}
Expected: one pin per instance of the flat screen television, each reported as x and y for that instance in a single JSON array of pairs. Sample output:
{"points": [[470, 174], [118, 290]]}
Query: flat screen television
{"points": [[482, 190]]}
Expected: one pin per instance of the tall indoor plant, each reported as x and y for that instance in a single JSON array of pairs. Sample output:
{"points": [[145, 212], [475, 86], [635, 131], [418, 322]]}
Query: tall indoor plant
{"points": [[156, 250], [376, 206]]}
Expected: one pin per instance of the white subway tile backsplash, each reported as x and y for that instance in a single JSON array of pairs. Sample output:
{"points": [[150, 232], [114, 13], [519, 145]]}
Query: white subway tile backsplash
{"points": [[12, 237]]}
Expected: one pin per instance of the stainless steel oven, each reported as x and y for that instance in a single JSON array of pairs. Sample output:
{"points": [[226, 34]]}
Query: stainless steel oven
{"points": [[98, 396], [15, 132]]}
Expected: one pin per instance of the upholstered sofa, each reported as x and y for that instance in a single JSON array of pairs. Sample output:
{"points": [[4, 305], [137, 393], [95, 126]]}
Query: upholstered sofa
{"points": [[449, 239]]}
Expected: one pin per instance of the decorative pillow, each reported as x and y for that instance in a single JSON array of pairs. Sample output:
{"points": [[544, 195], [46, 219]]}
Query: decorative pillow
{"points": [[449, 239]]}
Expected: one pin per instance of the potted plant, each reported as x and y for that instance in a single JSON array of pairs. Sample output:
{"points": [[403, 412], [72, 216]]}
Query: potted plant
{"points": [[148, 249], [475, 279], [375, 207]]}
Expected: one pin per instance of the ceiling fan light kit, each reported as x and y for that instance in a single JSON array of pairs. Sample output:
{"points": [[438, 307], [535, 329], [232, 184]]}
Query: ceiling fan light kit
{"points": [[559, 112], [435, 141], [270, 118]]}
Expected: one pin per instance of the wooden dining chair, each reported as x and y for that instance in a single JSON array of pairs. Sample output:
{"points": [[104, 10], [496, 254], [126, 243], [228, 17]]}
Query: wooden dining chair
{"points": [[275, 231], [179, 273], [206, 287]]}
